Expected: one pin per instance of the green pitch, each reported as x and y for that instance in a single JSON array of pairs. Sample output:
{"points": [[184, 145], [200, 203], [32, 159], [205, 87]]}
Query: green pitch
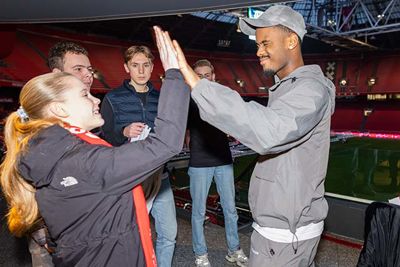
{"points": [[358, 167]]}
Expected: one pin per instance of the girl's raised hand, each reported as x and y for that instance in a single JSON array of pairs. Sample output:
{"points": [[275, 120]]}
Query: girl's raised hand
{"points": [[173, 51], [166, 49]]}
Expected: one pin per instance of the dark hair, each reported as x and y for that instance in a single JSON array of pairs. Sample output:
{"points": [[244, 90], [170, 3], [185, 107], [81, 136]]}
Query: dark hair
{"points": [[136, 49], [57, 53], [203, 63]]}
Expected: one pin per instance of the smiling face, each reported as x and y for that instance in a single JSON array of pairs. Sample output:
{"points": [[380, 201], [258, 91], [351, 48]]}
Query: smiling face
{"points": [[79, 66], [79, 107], [273, 50], [139, 68]]}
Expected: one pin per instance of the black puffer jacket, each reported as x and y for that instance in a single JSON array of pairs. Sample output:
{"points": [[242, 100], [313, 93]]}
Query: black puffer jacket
{"points": [[382, 236], [84, 191]]}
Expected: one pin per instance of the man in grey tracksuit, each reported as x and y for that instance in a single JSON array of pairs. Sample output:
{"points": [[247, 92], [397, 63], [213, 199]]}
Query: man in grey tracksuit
{"points": [[292, 135]]}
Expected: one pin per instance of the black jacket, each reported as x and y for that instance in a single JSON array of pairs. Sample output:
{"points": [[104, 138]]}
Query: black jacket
{"points": [[122, 106], [84, 191], [382, 236], [209, 147]]}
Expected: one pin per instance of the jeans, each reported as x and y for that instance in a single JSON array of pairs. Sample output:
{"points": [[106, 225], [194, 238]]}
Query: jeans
{"points": [[164, 214], [200, 182]]}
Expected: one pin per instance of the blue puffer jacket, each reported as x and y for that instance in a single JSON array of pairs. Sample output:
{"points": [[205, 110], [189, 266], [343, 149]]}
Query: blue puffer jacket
{"points": [[122, 106]]}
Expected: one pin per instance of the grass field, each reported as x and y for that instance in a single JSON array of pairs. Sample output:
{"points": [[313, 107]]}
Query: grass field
{"points": [[364, 168], [358, 167]]}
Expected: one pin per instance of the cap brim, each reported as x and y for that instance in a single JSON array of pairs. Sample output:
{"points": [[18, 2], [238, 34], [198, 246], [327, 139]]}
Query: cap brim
{"points": [[249, 26]]}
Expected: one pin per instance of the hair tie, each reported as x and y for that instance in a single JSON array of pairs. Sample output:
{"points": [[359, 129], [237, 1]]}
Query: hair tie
{"points": [[22, 114]]}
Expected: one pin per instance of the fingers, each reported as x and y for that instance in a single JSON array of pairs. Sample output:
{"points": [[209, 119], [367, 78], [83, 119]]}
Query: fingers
{"points": [[160, 42], [139, 124], [188, 73], [169, 43], [134, 129], [179, 53], [165, 47], [157, 32], [172, 56]]}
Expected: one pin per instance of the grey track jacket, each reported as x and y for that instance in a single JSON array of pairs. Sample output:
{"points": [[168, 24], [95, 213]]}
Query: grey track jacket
{"points": [[292, 135], [92, 220]]}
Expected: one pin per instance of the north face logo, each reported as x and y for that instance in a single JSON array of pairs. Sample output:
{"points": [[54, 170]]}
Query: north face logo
{"points": [[68, 181]]}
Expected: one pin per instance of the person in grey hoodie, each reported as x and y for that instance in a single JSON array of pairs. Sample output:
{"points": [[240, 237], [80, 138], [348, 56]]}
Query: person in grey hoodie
{"points": [[291, 134]]}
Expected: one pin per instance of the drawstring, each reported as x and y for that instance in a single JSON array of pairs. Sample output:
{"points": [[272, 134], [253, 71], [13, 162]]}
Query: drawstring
{"points": [[292, 79], [297, 243]]}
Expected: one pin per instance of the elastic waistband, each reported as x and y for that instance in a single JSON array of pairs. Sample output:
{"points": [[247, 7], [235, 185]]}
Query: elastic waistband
{"points": [[285, 236]]}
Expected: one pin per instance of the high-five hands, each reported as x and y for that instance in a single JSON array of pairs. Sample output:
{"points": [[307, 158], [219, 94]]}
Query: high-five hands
{"points": [[171, 54], [167, 53]]}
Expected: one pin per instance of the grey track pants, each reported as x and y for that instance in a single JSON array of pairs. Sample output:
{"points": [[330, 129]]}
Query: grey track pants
{"points": [[267, 253]]}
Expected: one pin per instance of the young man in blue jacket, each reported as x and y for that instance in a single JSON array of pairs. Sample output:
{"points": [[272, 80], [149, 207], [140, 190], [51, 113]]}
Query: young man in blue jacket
{"points": [[129, 111]]}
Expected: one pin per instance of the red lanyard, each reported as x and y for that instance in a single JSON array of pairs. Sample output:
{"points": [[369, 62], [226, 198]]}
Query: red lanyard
{"points": [[142, 216]]}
